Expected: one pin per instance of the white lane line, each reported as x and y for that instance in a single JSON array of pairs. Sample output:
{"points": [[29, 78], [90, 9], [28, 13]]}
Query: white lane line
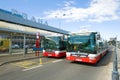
{"points": [[57, 61], [32, 68]]}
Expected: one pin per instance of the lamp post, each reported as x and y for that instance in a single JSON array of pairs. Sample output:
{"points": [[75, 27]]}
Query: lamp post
{"points": [[60, 20], [59, 24]]}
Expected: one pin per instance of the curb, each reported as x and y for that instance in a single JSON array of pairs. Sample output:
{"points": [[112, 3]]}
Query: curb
{"points": [[1, 64]]}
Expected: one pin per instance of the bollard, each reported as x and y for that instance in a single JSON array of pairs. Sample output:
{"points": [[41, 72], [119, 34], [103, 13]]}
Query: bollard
{"points": [[40, 61]]}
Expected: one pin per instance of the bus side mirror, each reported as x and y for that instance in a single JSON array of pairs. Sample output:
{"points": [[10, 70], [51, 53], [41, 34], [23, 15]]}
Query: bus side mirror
{"points": [[100, 44], [98, 37]]}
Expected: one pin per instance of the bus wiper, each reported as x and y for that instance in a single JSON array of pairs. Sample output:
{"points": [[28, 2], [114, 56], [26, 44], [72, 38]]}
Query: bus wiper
{"points": [[52, 40]]}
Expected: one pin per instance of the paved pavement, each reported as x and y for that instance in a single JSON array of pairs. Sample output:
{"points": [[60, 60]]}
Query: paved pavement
{"points": [[4, 59], [63, 70], [57, 69]]}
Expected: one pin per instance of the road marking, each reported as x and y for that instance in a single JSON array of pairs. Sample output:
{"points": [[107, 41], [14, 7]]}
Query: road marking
{"points": [[49, 62], [32, 68], [25, 64], [57, 61]]}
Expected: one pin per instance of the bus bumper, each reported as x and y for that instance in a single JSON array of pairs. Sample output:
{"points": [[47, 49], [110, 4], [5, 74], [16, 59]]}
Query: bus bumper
{"points": [[53, 54], [82, 59]]}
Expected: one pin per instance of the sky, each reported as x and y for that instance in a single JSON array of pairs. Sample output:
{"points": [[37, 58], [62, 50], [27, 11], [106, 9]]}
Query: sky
{"points": [[72, 15]]}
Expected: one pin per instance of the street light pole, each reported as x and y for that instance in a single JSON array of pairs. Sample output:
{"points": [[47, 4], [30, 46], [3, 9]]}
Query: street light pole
{"points": [[60, 20], [59, 24]]}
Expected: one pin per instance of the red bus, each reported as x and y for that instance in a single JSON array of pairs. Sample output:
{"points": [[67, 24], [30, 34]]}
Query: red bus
{"points": [[54, 46], [85, 47]]}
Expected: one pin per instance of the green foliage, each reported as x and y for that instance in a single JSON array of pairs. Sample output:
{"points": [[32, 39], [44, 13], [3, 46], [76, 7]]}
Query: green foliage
{"points": [[113, 42]]}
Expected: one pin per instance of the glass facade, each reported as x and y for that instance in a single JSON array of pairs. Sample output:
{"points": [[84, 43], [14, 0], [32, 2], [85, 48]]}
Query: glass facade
{"points": [[12, 37]]}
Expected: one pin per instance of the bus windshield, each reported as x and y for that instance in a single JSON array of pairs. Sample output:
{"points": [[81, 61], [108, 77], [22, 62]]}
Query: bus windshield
{"points": [[82, 43], [52, 43]]}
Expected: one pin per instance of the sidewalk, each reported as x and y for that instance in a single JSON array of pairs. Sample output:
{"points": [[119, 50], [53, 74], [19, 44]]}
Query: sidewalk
{"points": [[17, 57]]}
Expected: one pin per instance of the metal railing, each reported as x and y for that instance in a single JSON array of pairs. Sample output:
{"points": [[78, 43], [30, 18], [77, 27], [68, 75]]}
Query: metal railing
{"points": [[115, 73]]}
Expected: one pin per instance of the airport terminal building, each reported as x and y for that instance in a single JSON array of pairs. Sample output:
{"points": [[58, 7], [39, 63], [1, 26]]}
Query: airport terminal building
{"points": [[16, 32]]}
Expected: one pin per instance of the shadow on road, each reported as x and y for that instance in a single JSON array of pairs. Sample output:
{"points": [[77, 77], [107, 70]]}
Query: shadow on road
{"points": [[106, 59]]}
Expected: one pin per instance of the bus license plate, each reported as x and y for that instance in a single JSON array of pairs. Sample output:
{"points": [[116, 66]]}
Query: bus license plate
{"points": [[78, 59], [49, 54]]}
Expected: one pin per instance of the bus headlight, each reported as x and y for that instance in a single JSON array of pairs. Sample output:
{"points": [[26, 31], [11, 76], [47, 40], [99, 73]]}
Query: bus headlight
{"points": [[68, 54], [43, 51], [92, 56], [57, 52]]}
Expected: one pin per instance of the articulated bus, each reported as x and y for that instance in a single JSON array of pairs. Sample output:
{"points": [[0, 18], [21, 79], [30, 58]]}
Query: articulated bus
{"points": [[54, 46], [86, 47]]}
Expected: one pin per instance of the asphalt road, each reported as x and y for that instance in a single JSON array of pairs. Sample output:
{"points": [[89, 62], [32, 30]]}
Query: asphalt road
{"points": [[57, 69]]}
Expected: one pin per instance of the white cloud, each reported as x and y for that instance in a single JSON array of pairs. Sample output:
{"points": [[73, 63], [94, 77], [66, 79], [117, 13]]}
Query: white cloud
{"points": [[69, 3], [98, 11], [85, 27]]}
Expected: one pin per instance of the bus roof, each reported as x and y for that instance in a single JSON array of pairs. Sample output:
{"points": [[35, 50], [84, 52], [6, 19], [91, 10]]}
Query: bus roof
{"points": [[56, 35], [83, 33]]}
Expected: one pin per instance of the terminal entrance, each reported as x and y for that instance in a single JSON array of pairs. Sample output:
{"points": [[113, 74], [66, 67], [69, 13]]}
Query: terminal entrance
{"points": [[15, 43], [18, 34]]}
